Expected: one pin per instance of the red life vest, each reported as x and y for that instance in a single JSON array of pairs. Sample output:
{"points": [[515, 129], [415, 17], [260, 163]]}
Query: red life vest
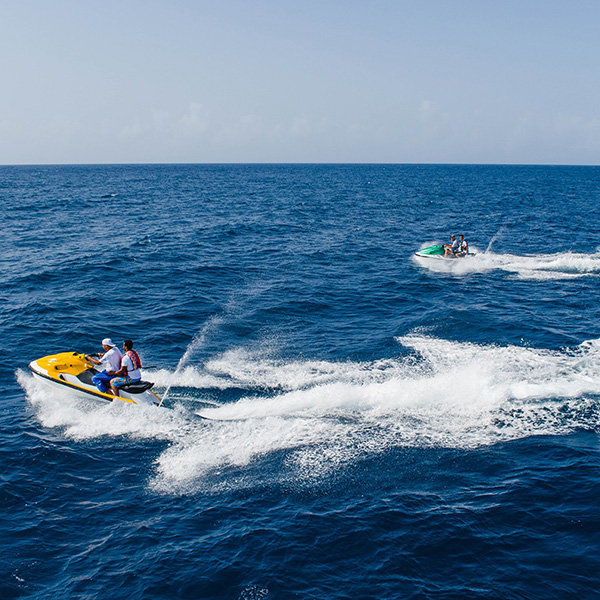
{"points": [[135, 359]]}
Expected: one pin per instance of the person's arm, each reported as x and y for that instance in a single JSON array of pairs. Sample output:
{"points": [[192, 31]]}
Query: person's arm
{"points": [[121, 371], [92, 360]]}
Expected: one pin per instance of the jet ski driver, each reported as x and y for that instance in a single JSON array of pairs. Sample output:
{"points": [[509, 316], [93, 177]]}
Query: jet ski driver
{"points": [[111, 359], [451, 249]]}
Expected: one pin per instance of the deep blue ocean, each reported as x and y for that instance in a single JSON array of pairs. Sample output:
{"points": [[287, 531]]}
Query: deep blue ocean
{"points": [[381, 426]]}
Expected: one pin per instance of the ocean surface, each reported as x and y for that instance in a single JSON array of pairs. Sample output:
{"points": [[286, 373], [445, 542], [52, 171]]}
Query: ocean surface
{"points": [[378, 426]]}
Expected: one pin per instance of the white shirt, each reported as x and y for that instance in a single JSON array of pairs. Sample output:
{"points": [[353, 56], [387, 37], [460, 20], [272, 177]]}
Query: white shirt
{"points": [[112, 359], [128, 363]]}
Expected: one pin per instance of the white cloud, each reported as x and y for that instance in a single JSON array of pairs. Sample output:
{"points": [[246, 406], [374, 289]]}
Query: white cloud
{"points": [[160, 123], [304, 126], [425, 108], [585, 133], [134, 130], [241, 130], [161, 120], [195, 121], [300, 126]]}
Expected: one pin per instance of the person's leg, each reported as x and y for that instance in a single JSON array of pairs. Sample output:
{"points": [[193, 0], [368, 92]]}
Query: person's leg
{"points": [[117, 383], [100, 380]]}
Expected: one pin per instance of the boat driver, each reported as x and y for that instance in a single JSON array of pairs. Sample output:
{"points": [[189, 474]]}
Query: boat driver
{"points": [[111, 360], [452, 248], [129, 370]]}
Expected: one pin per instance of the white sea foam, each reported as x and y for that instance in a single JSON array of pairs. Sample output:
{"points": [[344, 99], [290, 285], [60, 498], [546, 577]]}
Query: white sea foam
{"points": [[243, 368], [563, 265], [79, 418], [316, 416]]}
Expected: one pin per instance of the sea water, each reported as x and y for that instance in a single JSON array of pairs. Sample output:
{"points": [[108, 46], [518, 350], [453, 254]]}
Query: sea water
{"points": [[372, 424]]}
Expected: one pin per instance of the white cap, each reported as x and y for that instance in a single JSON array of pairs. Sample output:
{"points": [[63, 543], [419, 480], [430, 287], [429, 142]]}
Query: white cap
{"points": [[108, 342]]}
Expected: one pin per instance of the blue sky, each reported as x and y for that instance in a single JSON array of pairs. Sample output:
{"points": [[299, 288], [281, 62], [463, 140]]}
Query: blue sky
{"points": [[442, 81]]}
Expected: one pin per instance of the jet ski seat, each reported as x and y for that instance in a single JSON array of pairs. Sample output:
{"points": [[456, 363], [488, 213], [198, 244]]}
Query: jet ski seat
{"points": [[86, 376], [133, 388], [138, 387]]}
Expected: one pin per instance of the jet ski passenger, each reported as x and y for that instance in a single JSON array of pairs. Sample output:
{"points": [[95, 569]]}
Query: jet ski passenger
{"points": [[463, 247], [129, 371], [452, 248], [111, 359]]}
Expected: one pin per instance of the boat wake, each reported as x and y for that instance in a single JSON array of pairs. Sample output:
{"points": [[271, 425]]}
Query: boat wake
{"points": [[290, 422], [562, 265]]}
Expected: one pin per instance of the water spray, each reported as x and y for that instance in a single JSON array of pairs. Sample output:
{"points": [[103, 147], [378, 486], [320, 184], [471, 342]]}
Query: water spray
{"points": [[196, 343]]}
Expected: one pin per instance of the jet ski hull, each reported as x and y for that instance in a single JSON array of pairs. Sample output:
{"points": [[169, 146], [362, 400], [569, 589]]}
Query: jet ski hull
{"points": [[431, 252], [438, 252], [70, 371]]}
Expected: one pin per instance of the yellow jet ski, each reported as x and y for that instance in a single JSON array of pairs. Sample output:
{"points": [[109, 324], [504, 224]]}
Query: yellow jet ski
{"points": [[70, 370]]}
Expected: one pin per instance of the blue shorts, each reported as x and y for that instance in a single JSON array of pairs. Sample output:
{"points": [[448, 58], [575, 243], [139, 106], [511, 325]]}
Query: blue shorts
{"points": [[123, 380]]}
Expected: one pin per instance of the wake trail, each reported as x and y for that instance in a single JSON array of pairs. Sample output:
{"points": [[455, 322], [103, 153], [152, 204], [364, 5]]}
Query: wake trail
{"points": [[322, 415], [541, 267]]}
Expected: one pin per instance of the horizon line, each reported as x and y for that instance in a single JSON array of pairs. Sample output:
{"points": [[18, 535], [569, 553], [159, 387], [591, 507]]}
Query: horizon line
{"points": [[267, 163]]}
